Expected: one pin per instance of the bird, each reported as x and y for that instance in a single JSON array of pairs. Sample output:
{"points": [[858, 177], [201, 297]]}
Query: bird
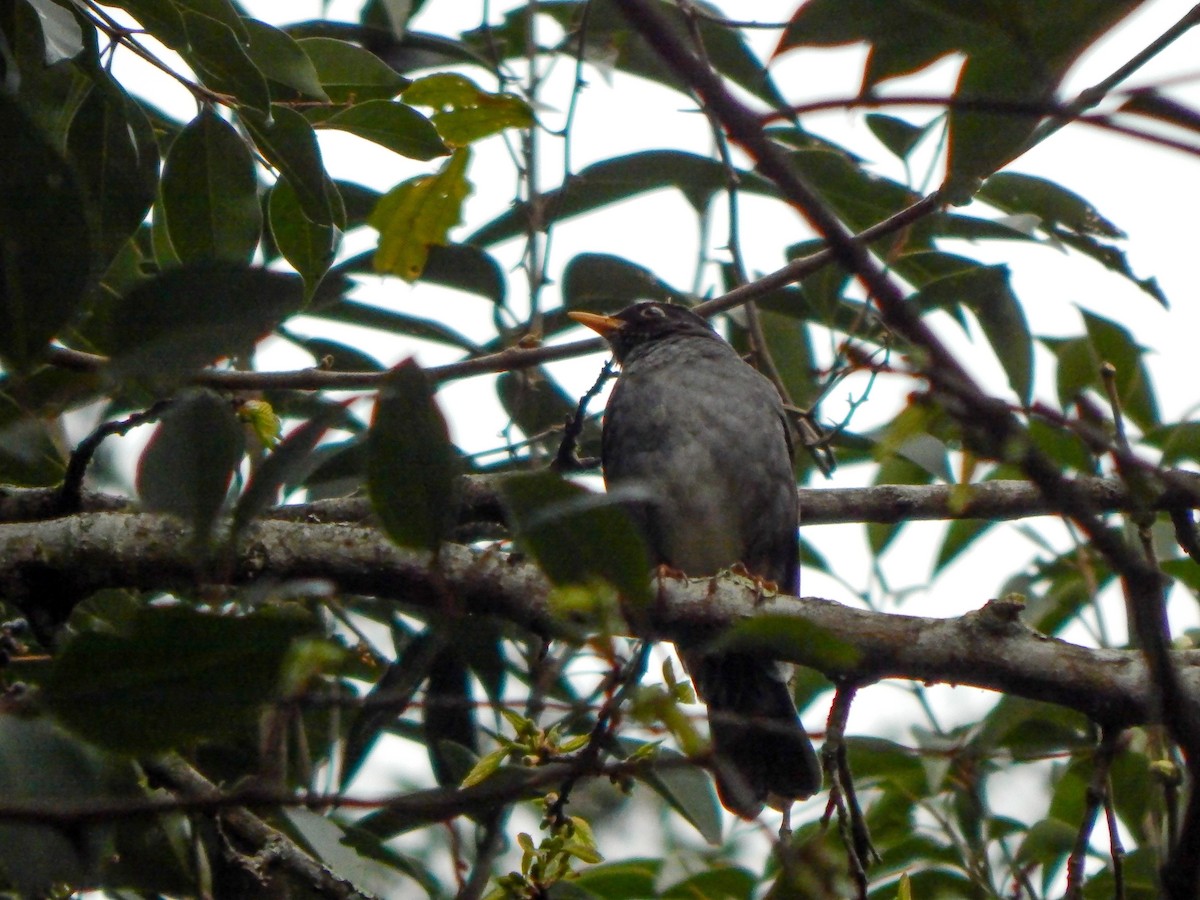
{"points": [[700, 438]]}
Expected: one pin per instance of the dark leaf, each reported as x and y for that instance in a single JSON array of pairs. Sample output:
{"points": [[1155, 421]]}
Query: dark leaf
{"points": [[288, 142], [986, 292], [351, 74], [357, 857], [537, 405], [1014, 56], [191, 316], [576, 536], [898, 136], [29, 455], [687, 789], [112, 147], [465, 268], [307, 246], [600, 282], [724, 882], [44, 241], [282, 60], [388, 699], [172, 677], [1052, 203], [210, 193], [218, 54], [393, 125], [163, 20], [449, 718], [609, 42], [411, 466], [187, 467], [612, 180], [42, 765], [625, 878]]}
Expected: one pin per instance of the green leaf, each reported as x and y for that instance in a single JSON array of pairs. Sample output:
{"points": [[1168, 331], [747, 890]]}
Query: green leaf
{"points": [[1114, 344], [898, 136], [987, 292], [1030, 729], [350, 74], [417, 214], [210, 193], [718, 883], [859, 197], [112, 147], [41, 765], [1080, 359], [289, 143], [411, 466], [687, 789], [282, 60], [465, 113], [191, 316], [187, 467], [215, 50], [1053, 204], [576, 536], [173, 676], [627, 878], [308, 247], [787, 637], [960, 534], [44, 241], [1178, 441], [621, 178], [393, 125]]}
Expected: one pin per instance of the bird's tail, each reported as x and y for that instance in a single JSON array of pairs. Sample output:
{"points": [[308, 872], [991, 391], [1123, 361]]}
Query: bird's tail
{"points": [[761, 751]]}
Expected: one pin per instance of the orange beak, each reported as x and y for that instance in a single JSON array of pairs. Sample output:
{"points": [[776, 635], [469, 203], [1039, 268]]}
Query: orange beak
{"points": [[604, 326]]}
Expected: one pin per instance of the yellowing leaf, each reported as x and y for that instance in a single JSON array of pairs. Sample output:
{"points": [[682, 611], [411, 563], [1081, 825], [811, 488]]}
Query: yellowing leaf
{"points": [[465, 112], [263, 421], [417, 214]]}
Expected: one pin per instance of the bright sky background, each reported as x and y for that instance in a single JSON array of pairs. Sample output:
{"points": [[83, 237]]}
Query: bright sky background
{"points": [[1150, 192]]}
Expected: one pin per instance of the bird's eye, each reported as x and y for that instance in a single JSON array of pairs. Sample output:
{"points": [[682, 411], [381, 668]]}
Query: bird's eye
{"points": [[653, 312]]}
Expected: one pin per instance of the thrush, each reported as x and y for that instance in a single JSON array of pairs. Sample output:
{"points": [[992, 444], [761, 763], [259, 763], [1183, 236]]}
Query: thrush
{"points": [[701, 438]]}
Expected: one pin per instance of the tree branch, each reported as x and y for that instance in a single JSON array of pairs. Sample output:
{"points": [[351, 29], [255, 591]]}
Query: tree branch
{"points": [[884, 503], [988, 648]]}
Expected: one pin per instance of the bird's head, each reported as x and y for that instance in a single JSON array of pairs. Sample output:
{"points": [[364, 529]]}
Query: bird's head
{"points": [[643, 322]]}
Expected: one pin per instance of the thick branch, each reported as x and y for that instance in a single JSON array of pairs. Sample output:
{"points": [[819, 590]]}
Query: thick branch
{"points": [[987, 649]]}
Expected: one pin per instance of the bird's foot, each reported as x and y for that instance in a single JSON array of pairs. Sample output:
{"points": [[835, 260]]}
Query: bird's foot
{"points": [[662, 571], [764, 587]]}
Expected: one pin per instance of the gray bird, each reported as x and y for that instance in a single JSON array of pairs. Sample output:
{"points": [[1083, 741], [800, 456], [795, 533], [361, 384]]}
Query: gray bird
{"points": [[702, 436]]}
